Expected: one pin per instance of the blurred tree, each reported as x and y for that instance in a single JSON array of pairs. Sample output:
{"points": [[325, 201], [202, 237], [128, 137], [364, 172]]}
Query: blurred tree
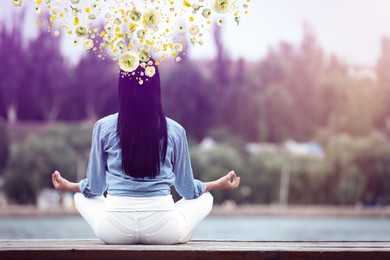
{"points": [[308, 174], [382, 70], [190, 99], [356, 110], [4, 146], [222, 62], [46, 82], [12, 70], [95, 84]]}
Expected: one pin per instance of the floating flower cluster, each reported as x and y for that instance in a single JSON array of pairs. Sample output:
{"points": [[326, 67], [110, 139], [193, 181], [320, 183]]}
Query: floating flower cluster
{"points": [[130, 32]]}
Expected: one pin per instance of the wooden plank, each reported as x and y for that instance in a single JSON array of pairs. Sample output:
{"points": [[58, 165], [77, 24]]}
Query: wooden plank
{"points": [[94, 249]]}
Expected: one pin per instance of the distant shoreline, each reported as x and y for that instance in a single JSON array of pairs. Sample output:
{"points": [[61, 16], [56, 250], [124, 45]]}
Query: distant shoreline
{"points": [[228, 210]]}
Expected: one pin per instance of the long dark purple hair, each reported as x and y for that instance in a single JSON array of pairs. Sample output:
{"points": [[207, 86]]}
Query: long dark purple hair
{"points": [[141, 127]]}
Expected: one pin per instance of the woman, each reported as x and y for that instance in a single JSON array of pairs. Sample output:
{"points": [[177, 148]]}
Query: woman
{"points": [[136, 156]]}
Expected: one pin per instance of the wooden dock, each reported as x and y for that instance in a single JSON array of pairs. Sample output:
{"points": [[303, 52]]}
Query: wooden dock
{"points": [[198, 249]]}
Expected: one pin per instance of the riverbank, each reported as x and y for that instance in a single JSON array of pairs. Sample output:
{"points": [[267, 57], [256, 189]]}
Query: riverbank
{"points": [[228, 210]]}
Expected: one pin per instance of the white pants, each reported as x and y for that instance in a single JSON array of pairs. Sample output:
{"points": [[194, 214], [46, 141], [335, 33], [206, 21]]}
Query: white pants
{"points": [[144, 227]]}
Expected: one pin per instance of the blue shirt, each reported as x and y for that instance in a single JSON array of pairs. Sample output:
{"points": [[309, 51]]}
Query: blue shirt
{"points": [[104, 171]]}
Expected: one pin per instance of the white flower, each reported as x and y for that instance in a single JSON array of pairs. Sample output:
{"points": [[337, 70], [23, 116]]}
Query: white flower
{"points": [[129, 61], [54, 11], [121, 46], [17, 3], [195, 7], [141, 34], [193, 40], [88, 44], [222, 6], [108, 38], [144, 55], [92, 16], [150, 71], [178, 47], [134, 15], [206, 13], [74, 1], [129, 35], [193, 30], [151, 18], [81, 31]]}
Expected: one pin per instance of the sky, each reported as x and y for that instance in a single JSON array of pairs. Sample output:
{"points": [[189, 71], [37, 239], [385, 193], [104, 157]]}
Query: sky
{"points": [[350, 29]]}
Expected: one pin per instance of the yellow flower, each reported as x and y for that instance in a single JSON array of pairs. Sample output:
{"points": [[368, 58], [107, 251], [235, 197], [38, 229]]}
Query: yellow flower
{"points": [[206, 13], [88, 44], [193, 30], [17, 3], [150, 71], [76, 21], [129, 61], [81, 31], [151, 18], [144, 55], [133, 26], [222, 6], [134, 15], [186, 4]]}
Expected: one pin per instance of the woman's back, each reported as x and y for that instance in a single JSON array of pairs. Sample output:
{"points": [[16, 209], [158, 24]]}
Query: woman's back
{"points": [[105, 166]]}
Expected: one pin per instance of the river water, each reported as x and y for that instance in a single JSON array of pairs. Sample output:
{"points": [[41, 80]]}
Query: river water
{"points": [[218, 228]]}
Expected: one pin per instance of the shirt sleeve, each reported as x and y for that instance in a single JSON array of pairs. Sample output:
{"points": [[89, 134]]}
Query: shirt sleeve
{"points": [[185, 184], [95, 182]]}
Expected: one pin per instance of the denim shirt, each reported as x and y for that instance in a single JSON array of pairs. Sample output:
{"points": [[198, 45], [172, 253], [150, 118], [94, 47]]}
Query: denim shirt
{"points": [[104, 171]]}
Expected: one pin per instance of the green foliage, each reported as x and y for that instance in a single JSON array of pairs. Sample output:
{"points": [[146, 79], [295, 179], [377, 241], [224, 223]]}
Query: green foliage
{"points": [[359, 168], [264, 179], [213, 164], [308, 175], [35, 157]]}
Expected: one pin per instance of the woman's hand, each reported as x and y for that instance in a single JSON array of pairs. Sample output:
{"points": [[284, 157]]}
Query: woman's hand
{"points": [[63, 184], [228, 182]]}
